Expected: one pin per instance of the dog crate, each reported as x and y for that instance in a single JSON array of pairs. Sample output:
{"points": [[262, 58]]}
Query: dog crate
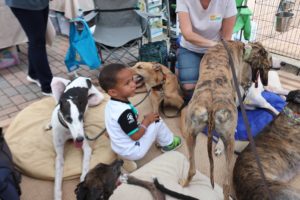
{"points": [[277, 26]]}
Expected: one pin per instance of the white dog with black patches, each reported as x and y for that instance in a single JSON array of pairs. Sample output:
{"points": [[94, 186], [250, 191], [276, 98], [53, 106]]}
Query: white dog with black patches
{"points": [[73, 99]]}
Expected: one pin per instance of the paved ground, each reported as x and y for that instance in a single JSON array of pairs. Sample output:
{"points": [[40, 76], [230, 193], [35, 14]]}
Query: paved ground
{"points": [[16, 92]]}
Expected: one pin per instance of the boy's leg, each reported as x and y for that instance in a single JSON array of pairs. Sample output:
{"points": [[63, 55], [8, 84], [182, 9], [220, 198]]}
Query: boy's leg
{"points": [[158, 132], [166, 139], [164, 136]]}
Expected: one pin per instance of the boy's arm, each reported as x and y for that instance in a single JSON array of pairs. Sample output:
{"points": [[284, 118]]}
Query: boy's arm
{"points": [[148, 119], [141, 131], [129, 125]]}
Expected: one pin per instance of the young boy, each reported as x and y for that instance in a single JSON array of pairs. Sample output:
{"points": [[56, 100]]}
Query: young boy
{"points": [[131, 139]]}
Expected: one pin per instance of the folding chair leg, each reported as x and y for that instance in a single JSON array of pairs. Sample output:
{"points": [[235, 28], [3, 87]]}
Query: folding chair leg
{"points": [[100, 54]]}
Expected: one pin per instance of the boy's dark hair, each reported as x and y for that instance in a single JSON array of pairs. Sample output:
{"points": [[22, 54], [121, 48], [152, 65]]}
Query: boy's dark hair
{"points": [[108, 75]]}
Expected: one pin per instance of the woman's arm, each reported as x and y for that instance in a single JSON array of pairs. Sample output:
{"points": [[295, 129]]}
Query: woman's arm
{"points": [[227, 27], [188, 33]]}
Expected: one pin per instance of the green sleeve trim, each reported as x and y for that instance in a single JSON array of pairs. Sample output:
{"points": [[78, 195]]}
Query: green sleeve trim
{"points": [[133, 132]]}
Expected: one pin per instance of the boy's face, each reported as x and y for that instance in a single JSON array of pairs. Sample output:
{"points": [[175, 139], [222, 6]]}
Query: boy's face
{"points": [[125, 86]]}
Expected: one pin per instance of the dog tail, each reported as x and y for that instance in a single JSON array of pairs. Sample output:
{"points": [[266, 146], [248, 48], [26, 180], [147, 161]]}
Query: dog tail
{"points": [[248, 184], [156, 193], [167, 191], [209, 146]]}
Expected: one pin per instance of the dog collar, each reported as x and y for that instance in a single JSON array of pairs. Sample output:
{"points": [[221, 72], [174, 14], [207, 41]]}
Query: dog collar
{"points": [[295, 117], [61, 120], [247, 51]]}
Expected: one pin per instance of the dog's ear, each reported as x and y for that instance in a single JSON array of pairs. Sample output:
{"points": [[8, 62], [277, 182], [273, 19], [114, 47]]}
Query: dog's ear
{"points": [[293, 96], [156, 66], [94, 96], [58, 86], [89, 83]]}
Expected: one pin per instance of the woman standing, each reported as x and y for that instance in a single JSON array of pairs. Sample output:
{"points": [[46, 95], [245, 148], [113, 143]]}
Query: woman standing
{"points": [[202, 23], [33, 17]]}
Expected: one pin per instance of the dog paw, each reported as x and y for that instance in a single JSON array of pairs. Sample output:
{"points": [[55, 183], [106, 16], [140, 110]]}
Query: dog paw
{"points": [[183, 182], [48, 127], [219, 148], [218, 152]]}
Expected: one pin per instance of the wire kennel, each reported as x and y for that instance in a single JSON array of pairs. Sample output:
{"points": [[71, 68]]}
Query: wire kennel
{"points": [[277, 26]]}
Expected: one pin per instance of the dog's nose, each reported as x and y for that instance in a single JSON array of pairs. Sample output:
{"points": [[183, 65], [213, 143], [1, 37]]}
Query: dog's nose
{"points": [[79, 139]]}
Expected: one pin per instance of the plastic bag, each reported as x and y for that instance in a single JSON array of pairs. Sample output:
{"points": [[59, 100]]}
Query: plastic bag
{"points": [[82, 50]]}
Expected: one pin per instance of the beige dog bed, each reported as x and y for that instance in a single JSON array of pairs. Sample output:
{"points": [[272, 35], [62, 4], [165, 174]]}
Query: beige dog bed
{"points": [[33, 149], [169, 168]]}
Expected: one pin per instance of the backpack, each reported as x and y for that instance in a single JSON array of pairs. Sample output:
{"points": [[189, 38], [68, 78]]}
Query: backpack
{"points": [[10, 178], [154, 52]]}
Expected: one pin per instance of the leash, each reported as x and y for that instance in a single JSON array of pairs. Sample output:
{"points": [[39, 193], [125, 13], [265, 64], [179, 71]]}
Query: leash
{"points": [[159, 88], [96, 137], [162, 109], [245, 118], [147, 94]]}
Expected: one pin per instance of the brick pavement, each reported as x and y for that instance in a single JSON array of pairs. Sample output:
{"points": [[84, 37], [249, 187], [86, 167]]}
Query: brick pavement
{"points": [[16, 92]]}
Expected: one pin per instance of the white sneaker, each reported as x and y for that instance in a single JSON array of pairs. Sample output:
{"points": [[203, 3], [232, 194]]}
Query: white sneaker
{"points": [[47, 94], [31, 80]]}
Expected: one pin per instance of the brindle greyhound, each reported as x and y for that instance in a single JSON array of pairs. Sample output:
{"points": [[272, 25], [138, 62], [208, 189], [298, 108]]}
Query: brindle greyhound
{"points": [[278, 147], [213, 102], [103, 179]]}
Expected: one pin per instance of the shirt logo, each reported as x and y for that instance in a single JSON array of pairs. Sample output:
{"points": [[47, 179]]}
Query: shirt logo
{"points": [[215, 18], [130, 118]]}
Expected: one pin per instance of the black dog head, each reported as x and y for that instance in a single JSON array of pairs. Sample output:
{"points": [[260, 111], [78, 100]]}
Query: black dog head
{"points": [[293, 96], [100, 182]]}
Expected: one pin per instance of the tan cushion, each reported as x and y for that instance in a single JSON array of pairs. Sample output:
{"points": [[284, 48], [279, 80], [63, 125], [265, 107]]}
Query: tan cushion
{"points": [[32, 146], [169, 168]]}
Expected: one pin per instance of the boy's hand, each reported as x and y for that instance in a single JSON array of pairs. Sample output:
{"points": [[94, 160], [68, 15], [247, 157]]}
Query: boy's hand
{"points": [[149, 118]]}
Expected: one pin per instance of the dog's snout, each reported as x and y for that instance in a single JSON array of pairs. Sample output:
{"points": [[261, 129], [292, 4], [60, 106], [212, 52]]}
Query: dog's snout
{"points": [[79, 139]]}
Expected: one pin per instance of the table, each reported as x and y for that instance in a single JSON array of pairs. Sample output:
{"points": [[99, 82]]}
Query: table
{"points": [[11, 32], [70, 7]]}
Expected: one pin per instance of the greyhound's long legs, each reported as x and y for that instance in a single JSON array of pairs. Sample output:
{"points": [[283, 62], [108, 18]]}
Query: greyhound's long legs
{"points": [[59, 168], [229, 153], [87, 151], [191, 143]]}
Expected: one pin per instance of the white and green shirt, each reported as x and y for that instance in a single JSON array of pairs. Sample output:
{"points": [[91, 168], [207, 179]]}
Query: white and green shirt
{"points": [[121, 121]]}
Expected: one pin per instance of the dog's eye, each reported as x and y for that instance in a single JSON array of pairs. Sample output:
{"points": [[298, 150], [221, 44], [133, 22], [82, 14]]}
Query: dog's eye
{"points": [[68, 118], [139, 67], [80, 117]]}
